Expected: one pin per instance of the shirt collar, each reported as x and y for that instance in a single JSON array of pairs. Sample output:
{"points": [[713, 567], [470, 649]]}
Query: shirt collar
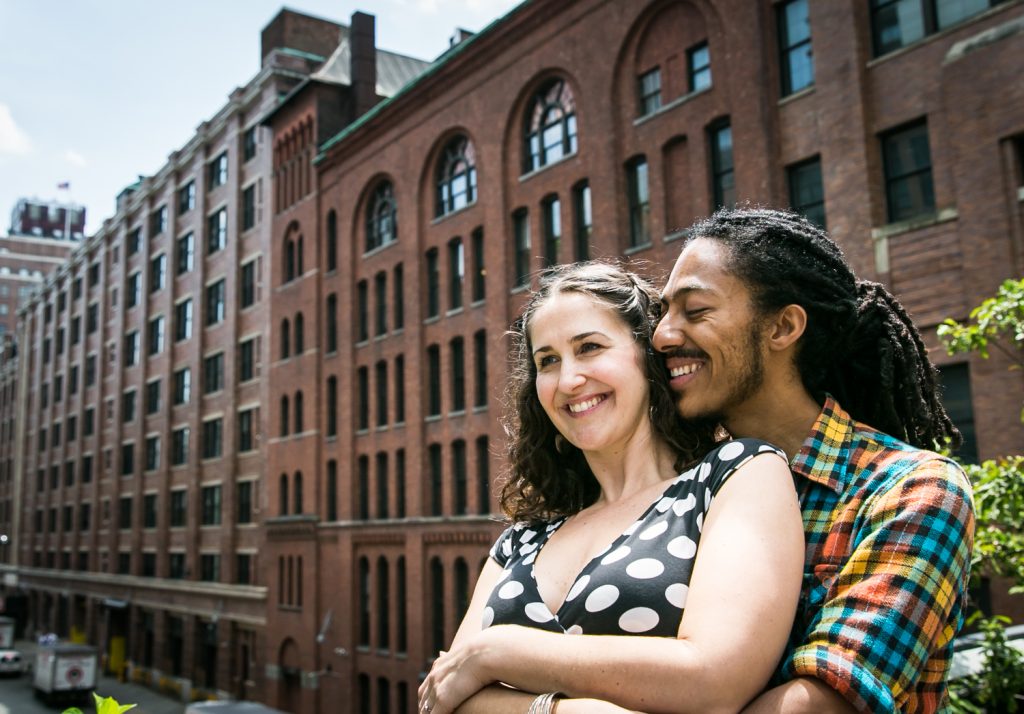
{"points": [[825, 453]]}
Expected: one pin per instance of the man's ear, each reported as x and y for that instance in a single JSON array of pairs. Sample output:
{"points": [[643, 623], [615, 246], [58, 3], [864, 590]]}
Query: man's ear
{"points": [[786, 328]]}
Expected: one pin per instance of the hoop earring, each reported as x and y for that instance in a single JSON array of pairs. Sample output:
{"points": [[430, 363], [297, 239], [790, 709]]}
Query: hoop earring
{"points": [[561, 445]]}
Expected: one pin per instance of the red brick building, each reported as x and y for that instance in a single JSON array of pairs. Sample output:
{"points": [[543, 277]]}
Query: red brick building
{"points": [[398, 239]]}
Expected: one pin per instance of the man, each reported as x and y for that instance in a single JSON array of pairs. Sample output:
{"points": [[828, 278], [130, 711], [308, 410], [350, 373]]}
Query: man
{"points": [[766, 329]]}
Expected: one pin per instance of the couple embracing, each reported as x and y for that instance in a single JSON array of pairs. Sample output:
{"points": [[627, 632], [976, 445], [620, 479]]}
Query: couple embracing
{"points": [[814, 561]]}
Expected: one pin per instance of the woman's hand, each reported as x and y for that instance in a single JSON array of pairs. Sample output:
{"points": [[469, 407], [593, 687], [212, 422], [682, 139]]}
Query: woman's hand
{"points": [[455, 676]]}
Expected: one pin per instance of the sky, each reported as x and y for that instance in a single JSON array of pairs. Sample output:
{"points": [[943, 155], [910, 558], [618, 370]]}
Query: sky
{"points": [[98, 92]]}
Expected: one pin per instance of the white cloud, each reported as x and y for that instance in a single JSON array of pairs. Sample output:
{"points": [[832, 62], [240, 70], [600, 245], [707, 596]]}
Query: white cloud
{"points": [[74, 158], [12, 139]]}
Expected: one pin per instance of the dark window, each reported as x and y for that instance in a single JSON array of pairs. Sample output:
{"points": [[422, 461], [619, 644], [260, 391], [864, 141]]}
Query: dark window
{"points": [[332, 490], [299, 410], [297, 492], [218, 171], [300, 334], [382, 484], [285, 416], [94, 277], [213, 438], [458, 367], [153, 397], [247, 360], [158, 221], [182, 385], [380, 300], [639, 202], [364, 620], [249, 143], [248, 287], [521, 233], [128, 406], [381, 218], [383, 625], [908, 172], [155, 336], [158, 273], [398, 299], [897, 23], [723, 180], [332, 240], [551, 212], [433, 380], [698, 66], [243, 568], [179, 446], [213, 373], [436, 476], [124, 512], [363, 405], [401, 627], [332, 406], [483, 475], [400, 483], [400, 389], [480, 371], [433, 283], [127, 459], [381, 379], [244, 502], [247, 430], [363, 311], [133, 241], [152, 453], [956, 398], [209, 567], [215, 303], [186, 199], [479, 272], [183, 320], [286, 338], [175, 570], [216, 231], [583, 213], [149, 510], [456, 176], [795, 46], [210, 500], [364, 487], [186, 250], [456, 273], [549, 130], [649, 86], [331, 318], [459, 476], [806, 193], [249, 207], [282, 490]]}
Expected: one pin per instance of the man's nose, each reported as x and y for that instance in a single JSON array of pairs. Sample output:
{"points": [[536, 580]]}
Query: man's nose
{"points": [[667, 335]]}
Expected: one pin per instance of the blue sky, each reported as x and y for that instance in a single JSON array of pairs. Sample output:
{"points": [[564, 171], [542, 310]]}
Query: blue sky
{"points": [[96, 92]]}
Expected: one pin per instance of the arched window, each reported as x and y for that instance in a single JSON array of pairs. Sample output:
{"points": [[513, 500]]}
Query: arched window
{"points": [[284, 415], [461, 588], [332, 240], [298, 412], [364, 602], [381, 219], [286, 338], [283, 488], [456, 176], [300, 337], [549, 130], [437, 603], [289, 259], [403, 635], [297, 491], [383, 594]]}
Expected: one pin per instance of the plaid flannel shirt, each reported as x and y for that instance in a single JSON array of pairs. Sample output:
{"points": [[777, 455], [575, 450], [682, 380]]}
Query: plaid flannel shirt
{"points": [[889, 531]]}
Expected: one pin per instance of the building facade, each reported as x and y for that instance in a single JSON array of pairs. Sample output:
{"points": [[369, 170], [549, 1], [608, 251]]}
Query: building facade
{"points": [[48, 219], [24, 262], [341, 444]]}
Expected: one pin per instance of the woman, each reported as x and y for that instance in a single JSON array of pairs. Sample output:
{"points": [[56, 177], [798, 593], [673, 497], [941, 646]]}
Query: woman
{"points": [[607, 523]]}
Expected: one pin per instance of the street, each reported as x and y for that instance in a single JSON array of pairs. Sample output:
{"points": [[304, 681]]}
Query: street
{"points": [[16, 697]]}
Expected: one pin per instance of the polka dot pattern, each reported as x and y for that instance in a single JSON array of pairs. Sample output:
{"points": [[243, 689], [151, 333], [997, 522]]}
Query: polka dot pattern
{"points": [[639, 583]]}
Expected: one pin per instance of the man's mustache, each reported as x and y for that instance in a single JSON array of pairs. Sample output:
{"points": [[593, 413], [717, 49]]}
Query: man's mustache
{"points": [[685, 353]]}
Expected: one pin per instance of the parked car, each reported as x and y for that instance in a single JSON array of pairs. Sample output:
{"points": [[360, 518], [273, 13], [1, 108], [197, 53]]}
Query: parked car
{"points": [[11, 661]]}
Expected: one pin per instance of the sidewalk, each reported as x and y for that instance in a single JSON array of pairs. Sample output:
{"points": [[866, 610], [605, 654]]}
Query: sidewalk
{"points": [[147, 700]]}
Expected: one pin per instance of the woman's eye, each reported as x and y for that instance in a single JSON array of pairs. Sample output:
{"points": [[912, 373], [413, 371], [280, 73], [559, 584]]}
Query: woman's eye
{"points": [[545, 361], [589, 347]]}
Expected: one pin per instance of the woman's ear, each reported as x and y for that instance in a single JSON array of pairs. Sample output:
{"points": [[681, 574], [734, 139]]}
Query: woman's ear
{"points": [[786, 328]]}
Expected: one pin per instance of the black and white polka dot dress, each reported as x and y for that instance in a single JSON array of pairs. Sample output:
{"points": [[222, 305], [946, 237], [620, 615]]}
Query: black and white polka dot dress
{"points": [[638, 585]]}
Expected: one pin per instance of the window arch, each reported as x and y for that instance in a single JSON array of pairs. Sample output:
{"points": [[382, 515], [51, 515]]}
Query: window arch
{"points": [[289, 259], [300, 336], [283, 489], [381, 217], [456, 176], [286, 338], [549, 130], [297, 492], [298, 411]]}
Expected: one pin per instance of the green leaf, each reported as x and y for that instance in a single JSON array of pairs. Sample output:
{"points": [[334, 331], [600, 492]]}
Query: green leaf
{"points": [[109, 705]]}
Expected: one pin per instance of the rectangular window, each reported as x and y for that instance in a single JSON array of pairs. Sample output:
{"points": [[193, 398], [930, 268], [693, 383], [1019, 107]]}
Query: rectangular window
{"points": [[155, 336], [436, 476], [364, 487], [149, 510], [458, 369], [132, 289], [698, 65], [806, 193], [213, 373], [247, 430], [380, 294], [639, 202], [186, 250], [723, 180], [363, 405], [94, 275], [152, 453], [433, 380], [216, 304], [128, 406], [363, 312], [551, 211], [89, 421], [76, 330], [158, 273], [218, 171], [247, 360], [124, 512], [897, 23], [479, 272], [400, 389], [521, 233], [131, 348], [382, 485], [153, 397], [796, 59], [183, 320], [133, 242], [182, 385], [249, 143], [398, 296], [187, 197], [179, 508], [179, 446], [332, 490], [248, 284], [583, 213], [331, 317], [381, 379], [244, 502], [158, 221], [649, 86], [459, 477], [249, 207], [480, 372], [149, 565], [209, 567], [217, 231], [210, 511], [175, 571], [433, 283], [456, 273], [907, 159], [127, 459], [213, 438]]}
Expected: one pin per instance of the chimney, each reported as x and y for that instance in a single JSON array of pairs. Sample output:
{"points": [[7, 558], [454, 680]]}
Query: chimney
{"points": [[363, 46]]}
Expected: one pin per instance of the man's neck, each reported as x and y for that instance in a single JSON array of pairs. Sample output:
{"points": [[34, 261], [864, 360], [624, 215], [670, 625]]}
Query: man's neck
{"points": [[783, 417]]}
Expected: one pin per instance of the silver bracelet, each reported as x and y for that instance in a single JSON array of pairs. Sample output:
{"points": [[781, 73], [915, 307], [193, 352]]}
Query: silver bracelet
{"points": [[544, 704]]}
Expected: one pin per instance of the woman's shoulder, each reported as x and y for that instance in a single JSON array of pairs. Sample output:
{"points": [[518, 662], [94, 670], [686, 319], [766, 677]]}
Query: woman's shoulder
{"points": [[517, 535], [723, 460]]}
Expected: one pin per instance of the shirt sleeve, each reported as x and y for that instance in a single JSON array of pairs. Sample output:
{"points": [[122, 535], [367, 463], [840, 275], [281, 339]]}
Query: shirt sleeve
{"points": [[882, 637], [503, 548]]}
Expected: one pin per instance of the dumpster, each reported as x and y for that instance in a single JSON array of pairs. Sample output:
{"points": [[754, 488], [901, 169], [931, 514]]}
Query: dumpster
{"points": [[65, 673]]}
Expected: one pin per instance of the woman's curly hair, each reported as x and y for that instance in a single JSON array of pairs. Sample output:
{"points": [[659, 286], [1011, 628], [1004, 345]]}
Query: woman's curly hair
{"points": [[548, 477]]}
